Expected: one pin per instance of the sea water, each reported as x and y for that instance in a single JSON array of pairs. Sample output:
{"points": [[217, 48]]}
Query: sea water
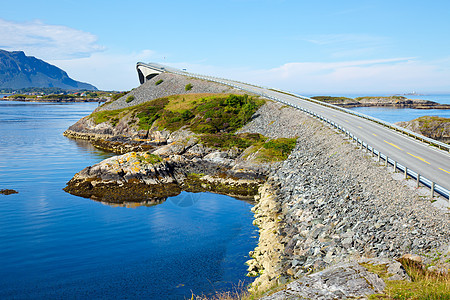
{"points": [[393, 115], [56, 245]]}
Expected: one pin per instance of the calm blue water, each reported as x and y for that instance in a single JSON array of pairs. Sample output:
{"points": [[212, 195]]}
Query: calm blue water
{"points": [[394, 115], [55, 245]]}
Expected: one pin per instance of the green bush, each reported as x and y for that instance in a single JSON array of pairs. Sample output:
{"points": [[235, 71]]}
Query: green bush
{"points": [[187, 115], [129, 99], [188, 87], [159, 82], [117, 96], [281, 147]]}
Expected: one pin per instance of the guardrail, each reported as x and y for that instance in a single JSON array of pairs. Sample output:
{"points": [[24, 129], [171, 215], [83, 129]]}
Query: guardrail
{"points": [[410, 133], [435, 188]]}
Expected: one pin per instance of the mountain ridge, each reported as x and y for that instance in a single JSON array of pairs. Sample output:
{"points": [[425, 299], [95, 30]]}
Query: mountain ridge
{"points": [[18, 70]]}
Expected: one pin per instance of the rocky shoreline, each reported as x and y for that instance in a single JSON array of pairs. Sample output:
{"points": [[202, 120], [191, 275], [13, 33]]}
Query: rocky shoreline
{"points": [[75, 100], [326, 203], [150, 177], [433, 127], [391, 101], [329, 202]]}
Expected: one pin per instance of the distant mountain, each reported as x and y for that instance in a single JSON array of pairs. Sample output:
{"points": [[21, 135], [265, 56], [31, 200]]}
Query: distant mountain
{"points": [[20, 71]]}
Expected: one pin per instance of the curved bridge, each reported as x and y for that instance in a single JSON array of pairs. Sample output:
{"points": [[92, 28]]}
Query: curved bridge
{"points": [[425, 160]]}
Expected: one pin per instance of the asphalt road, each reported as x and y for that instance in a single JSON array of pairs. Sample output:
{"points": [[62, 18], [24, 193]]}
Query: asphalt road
{"points": [[418, 156], [428, 161]]}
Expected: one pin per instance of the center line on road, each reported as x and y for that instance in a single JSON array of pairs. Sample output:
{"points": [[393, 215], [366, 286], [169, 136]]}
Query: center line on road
{"points": [[347, 121], [419, 158], [359, 127], [444, 170], [393, 145], [374, 134]]}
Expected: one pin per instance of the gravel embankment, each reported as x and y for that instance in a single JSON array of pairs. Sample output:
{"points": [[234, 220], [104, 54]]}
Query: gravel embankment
{"points": [[334, 202], [172, 84]]}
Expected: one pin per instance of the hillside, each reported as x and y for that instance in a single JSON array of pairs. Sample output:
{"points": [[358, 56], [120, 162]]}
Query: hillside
{"points": [[20, 71]]}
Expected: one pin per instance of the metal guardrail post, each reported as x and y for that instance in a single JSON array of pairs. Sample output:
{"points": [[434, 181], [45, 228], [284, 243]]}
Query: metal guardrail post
{"points": [[395, 166], [379, 156], [432, 189], [406, 172], [418, 180], [386, 161]]}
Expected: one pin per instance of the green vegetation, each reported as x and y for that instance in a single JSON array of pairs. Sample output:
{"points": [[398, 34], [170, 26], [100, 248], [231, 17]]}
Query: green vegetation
{"points": [[159, 82], [330, 99], [388, 98], [428, 121], [117, 96], [214, 117], [106, 116], [423, 284], [129, 99], [188, 87], [56, 97], [150, 158], [229, 140], [278, 148]]}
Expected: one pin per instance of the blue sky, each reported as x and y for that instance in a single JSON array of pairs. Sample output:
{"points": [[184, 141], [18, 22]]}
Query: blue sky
{"points": [[309, 47]]}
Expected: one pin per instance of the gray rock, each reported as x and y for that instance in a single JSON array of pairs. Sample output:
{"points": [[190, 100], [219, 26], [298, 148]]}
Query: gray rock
{"points": [[342, 281]]}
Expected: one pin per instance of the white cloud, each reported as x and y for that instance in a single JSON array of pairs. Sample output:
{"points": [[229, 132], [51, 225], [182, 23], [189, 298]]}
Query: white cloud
{"points": [[107, 71], [393, 75], [385, 75], [47, 41]]}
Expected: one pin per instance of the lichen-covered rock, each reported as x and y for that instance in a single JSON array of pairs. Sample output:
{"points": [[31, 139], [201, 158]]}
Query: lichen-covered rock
{"points": [[145, 176]]}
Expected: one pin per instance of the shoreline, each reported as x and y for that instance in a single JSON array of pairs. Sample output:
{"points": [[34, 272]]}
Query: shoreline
{"points": [[326, 203], [76, 100]]}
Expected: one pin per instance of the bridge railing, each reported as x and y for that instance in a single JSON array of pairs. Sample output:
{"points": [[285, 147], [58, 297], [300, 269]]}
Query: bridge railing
{"points": [[435, 188], [410, 133]]}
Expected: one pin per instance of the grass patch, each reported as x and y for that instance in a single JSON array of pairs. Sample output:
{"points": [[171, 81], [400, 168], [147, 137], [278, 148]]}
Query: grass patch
{"points": [[188, 87], [272, 150], [117, 96], [330, 99], [129, 99], [159, 82], [423, 284], [106, 116], [277, 149], [150, 158], [229, 140], [214, 117]]}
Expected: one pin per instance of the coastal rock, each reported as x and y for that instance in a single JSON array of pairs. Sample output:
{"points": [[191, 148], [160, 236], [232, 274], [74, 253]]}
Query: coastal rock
{"points": [[342, 281], [145, 176], [330, 208], [436, 128], [8, 191], [325, 204]]}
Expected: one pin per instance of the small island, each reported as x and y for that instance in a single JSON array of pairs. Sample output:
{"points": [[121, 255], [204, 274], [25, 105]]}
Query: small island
{"points": [[375, 101]]}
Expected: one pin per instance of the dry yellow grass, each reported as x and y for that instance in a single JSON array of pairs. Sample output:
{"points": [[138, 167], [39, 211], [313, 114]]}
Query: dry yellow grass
{"points": [[180, 103]]}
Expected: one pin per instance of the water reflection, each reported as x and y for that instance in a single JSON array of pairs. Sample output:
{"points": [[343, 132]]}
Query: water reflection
{"points": [[87, 146]]}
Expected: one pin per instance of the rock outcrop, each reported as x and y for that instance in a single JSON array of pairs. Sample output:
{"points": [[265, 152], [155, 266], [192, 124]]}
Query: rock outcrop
{"points": [[391, 101], [436, 128], [345, 280], [183, 164], [325, 204]]}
